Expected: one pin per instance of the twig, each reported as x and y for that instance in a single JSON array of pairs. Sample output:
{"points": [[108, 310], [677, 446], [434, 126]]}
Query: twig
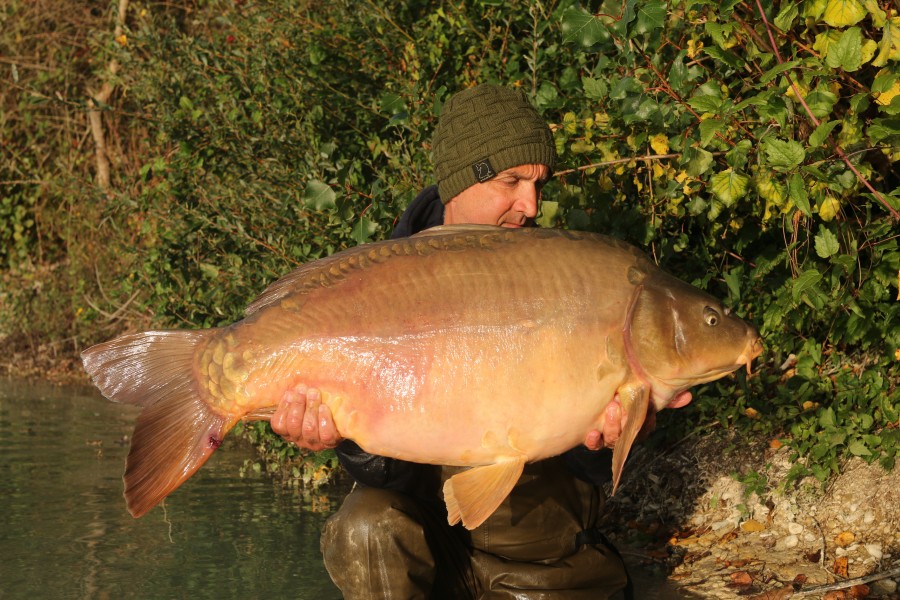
{"points": [[816, 590], [618, 161], [111, 316]]}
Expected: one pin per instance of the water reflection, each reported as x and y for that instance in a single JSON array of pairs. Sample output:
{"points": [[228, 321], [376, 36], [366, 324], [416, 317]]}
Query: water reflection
{"points": [[65, 533]]}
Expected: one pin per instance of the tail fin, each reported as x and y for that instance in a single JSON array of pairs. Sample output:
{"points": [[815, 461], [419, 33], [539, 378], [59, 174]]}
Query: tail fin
{"points": [[177, 431]]}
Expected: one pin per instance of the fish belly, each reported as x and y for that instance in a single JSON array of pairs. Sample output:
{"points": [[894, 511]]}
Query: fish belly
{"points": [[455, 360]]}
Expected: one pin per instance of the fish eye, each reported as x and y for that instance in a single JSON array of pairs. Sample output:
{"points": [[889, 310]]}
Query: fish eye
{"points": [[711, 316]]}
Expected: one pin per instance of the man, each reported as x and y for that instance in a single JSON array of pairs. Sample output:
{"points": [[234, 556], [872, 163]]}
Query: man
{"points": [[390, 539]]}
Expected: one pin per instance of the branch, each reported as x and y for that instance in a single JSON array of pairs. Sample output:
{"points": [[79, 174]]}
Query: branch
{"points": [[816, 590], [96, 101], [618, 161]]}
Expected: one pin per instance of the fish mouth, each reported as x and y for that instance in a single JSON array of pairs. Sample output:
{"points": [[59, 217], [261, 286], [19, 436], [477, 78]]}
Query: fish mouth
{"points": [[753, 349]]}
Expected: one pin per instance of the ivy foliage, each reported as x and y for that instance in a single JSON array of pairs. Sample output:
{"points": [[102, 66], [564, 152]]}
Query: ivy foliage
{"points": [[750, 147]]}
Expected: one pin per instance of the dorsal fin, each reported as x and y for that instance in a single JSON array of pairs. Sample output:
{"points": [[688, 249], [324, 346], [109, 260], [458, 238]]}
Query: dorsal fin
{"points": [[457, 229]]}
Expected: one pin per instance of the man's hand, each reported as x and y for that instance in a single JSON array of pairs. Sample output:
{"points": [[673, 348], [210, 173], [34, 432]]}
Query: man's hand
{"points": [[301, 418], [614, 421]]}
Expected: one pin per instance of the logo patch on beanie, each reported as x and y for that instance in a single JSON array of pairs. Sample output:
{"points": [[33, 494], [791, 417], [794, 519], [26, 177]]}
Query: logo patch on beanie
{"points": [[483, 170]]}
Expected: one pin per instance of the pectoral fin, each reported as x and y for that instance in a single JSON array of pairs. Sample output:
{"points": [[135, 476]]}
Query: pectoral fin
{"points": [[473, 495], [635, 401]]}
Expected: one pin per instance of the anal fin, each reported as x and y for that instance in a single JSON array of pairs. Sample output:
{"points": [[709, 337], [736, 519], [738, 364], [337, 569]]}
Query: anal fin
{"points": [[635, 401], [473, 495]]}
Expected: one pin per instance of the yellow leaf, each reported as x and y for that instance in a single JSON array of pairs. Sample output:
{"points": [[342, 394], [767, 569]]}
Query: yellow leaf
{"points": [[751, 412], [889, 46], [659, 143], [841, 13], [830, 207], [752, 526], [570, 123], [868, 51], [878, 15], [682, 175], [694, 48], [884, 98], [658, 171], [825, 39], [122, 40]]}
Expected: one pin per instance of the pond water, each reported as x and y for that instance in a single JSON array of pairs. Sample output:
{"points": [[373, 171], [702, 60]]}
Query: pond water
{"points": [[65, 532]]}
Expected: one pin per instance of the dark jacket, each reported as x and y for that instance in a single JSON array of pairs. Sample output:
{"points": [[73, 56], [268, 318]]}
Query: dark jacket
{"points": [[424, 212]]}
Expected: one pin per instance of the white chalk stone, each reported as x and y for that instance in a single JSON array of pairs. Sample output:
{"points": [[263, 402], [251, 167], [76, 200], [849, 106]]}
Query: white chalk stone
{"points": [[790, 541], [875, 551]]}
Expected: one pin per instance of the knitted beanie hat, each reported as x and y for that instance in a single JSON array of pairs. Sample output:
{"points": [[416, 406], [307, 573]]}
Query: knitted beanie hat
{"points": [[484, 130]]}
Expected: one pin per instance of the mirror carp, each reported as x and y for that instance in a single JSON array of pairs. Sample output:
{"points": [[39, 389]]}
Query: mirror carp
{"points": [[470, 346]]}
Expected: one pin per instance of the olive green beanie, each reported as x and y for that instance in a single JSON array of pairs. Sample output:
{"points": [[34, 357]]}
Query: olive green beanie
{"points": [[484, 130]]}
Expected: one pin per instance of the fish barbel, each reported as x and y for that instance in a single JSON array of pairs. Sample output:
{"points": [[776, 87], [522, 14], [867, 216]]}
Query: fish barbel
{"points": [[463, 345]]}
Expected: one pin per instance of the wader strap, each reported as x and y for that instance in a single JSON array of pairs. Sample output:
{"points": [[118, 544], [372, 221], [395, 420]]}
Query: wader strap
{"points": [[595, 537]]}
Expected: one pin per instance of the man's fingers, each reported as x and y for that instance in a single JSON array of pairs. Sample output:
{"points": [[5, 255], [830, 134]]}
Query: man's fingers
{"points": [[328, 434], [594, 440], [613, 424], [311, 417]]}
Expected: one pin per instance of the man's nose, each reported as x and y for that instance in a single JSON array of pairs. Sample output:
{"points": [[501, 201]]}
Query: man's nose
{"points": [[528, 200]]}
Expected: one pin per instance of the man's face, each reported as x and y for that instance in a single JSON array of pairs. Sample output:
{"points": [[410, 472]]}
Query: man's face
{"points": [[510, 199]]}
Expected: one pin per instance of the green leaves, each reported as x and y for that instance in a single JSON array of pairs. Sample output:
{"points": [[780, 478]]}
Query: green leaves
{"points": [[821, 133], [650, 16], [318, 196], [783, 154], [847, 52], [729, 186], [826, 243], [583, 29]]}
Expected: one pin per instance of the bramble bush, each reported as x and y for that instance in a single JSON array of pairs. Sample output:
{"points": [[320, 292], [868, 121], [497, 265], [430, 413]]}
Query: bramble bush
{"points": [[749, 147]]}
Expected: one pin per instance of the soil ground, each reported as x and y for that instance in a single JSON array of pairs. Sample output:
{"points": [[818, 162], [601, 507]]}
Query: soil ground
{"points": [[681, 513]]}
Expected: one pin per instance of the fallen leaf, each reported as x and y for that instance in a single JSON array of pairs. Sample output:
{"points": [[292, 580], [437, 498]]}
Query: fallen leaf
{"points": [[728, 536], [860, 591], [840, 567], [844, 539], [814, 557], [741, 578], [752, 526], [855, 592]]}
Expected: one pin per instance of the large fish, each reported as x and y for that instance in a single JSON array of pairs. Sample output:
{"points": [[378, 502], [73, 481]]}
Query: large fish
{"points": [[468, 345]]}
